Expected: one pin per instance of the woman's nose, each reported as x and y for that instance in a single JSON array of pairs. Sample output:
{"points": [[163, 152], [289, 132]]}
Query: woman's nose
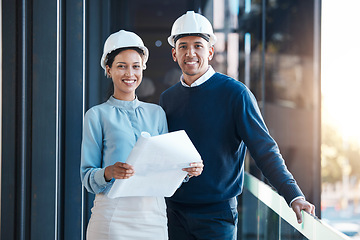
{"points": [[129, 73]]}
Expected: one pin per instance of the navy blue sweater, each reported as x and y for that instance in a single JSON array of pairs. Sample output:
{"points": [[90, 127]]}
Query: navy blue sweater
{"points": [[222, 118]]}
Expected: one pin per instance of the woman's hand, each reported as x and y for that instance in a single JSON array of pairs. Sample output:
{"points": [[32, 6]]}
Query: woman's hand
{"points": [[195, 169], [119, 171]]}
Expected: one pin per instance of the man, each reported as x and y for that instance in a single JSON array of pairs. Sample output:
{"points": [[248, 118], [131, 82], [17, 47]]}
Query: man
{"points": [[222, 119]]}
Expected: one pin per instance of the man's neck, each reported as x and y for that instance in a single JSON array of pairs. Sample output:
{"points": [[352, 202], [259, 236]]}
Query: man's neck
{"points": [[190, 79]]}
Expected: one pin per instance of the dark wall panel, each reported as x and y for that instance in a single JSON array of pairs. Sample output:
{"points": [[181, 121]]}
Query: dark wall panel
{"points": [[8, 116], [73, 98], [43, 119]]}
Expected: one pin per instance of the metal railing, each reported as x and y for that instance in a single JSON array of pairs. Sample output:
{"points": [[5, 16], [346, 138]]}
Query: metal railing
{"points": [[311, 228]]}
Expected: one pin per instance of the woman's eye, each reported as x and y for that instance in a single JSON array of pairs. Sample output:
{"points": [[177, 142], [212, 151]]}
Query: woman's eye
{"points": [[136, 66]]}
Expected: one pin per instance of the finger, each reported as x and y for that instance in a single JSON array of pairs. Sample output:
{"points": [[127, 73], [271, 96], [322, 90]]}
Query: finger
{"points": [[313, 210], [128, 175], [124, 165], [196, 164], [121, 170], [188, 170], [195, 167], [298, 216], [193, 171], [199, 171], [307, 209], [123, 175]]}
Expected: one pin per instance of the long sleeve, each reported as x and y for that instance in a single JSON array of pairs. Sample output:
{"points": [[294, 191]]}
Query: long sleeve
{"points": [[110, 132], [263, 148], [92, 173], [163, 126], [222, 119]]}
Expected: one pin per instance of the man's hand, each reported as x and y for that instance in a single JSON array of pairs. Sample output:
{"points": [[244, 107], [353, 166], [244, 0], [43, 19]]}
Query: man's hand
{"points": [[195, 169], [300, 204]]}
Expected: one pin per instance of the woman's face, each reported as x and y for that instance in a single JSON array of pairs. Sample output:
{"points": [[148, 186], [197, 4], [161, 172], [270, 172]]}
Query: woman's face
{"points": [[126, 73]]}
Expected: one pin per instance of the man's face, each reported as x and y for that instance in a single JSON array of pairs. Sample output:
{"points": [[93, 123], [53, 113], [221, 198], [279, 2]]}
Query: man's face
{"points": [[192, 53]]}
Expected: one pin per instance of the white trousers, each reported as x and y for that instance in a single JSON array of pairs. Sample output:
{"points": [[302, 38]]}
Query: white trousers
{"points": [[135, 218]]}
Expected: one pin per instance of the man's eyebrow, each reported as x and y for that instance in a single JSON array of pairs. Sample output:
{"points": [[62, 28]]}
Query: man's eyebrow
{"points": [[185, 43]]}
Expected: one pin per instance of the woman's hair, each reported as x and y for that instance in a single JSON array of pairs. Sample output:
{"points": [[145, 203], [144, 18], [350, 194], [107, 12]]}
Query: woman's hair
{"points": [[111, 56]]}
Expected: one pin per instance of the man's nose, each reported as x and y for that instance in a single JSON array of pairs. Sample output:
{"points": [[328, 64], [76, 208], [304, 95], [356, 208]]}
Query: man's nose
{"points": [[190, 52]]}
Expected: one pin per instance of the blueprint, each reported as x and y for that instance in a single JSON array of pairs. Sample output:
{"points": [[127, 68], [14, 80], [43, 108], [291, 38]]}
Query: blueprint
{"points": [[158, 163]]}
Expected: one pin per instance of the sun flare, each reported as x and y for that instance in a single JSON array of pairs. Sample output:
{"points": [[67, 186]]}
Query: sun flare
{"points": [[340, 53]]}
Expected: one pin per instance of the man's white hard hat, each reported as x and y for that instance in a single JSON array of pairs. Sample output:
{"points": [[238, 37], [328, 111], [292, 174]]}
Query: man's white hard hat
{"points": [[192, 23], [123, 39]]}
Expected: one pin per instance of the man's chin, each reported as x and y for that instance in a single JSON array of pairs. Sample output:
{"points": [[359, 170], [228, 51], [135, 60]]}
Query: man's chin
{"points": [[189, 73]]}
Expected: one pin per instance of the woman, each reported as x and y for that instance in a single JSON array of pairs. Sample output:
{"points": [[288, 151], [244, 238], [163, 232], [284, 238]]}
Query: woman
{"points": [[110, 131]]}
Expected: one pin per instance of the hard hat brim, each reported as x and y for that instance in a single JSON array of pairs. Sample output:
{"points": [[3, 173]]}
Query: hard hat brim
{"points": [[171, 39], [144, 49]]}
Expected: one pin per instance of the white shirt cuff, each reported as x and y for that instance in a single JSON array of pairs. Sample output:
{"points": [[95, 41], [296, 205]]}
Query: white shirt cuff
{"points": [[299, 197]]}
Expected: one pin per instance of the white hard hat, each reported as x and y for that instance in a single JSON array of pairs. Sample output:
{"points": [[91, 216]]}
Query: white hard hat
{"points": [[192, 23], [123, 39]]}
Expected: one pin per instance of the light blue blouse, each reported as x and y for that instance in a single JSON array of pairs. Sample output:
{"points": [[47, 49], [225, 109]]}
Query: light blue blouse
{"points": [[110, 132]]}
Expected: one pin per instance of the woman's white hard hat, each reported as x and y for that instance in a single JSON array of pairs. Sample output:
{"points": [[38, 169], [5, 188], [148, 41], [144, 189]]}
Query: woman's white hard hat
{"points": [[191, 23], [123, 39]]}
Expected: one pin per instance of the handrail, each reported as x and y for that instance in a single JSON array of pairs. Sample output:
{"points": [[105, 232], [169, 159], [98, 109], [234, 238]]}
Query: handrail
{"points": [[311, 227]]}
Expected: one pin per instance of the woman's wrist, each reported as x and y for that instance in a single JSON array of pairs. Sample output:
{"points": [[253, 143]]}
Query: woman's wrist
{"points": [[107, 174]]}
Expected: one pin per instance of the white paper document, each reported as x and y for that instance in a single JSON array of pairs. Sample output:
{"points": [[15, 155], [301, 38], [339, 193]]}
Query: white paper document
{"points": [[158, 163]]}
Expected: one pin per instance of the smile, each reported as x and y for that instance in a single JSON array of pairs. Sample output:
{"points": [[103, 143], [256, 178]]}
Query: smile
{"points": [[191, 62], [127, 81]]}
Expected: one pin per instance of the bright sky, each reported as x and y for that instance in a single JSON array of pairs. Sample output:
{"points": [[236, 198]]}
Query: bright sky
{"points": [[341, 64]]}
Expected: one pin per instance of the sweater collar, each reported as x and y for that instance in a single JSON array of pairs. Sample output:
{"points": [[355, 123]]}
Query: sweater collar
{"points": [[127, 105], [208, 74]]}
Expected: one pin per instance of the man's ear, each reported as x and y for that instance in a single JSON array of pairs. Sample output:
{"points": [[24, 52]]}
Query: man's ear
{"points": [[173, 54], [211, 52]]}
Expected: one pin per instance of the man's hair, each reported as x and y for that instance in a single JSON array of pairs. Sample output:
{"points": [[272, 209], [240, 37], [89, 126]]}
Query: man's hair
{"points": [[204, 36]]}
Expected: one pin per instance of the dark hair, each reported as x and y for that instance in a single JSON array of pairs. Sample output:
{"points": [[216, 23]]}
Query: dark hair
{"points": [[111, 56], [204, 36]]}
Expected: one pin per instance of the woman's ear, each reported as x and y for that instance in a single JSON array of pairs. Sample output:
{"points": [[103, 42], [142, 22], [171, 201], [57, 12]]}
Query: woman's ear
{"points": [[108, 75]]}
